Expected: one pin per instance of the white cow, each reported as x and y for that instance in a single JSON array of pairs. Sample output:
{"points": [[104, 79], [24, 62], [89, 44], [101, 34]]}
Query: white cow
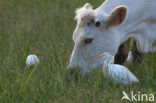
{"points": [[105, 28]]}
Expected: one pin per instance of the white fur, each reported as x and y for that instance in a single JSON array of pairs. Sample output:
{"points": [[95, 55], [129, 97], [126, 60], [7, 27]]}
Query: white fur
{"points": [[140, 24]]}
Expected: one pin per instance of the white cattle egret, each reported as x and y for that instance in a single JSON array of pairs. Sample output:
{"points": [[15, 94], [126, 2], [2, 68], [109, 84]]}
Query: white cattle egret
{"points": [[118, 73], [32, 60]]}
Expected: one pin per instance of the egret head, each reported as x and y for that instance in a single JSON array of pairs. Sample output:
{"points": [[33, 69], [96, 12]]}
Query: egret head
{"points": [[106, 57]]}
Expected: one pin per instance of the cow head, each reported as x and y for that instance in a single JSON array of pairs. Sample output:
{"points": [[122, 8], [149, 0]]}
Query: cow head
{"points": [[95, 34]]}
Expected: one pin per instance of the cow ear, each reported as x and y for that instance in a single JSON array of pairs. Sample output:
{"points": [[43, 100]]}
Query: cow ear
{"points": [[117, 16], [88, 6]]}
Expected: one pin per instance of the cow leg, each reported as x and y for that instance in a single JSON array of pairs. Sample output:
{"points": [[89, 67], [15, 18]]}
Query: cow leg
{"points": [[122, 54], [137, 56]]}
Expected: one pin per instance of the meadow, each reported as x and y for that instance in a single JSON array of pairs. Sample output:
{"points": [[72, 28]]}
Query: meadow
{"points": [[44, 28]]}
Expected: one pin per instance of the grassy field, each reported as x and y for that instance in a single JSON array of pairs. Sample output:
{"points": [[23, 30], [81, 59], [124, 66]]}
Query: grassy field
{"points": [[44, 28]]}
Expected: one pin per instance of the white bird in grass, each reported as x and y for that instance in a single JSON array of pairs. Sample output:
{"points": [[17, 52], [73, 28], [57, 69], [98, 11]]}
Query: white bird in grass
{"points": [[118, 73], [32, 60]]}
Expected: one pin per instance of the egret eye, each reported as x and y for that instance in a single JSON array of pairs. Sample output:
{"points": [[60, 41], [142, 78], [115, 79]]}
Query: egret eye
{"points": [[88, 40], [97, 23]]}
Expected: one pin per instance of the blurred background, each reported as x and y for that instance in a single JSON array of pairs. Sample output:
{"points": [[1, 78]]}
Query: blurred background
{"points": [[44, 28]]}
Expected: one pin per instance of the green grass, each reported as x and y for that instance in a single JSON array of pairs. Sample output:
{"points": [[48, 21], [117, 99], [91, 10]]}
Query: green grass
{"points": [[44, 28]]}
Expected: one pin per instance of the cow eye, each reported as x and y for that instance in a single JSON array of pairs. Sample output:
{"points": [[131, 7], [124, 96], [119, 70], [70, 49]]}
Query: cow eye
{"points": [[97, 24], [88, 40]]}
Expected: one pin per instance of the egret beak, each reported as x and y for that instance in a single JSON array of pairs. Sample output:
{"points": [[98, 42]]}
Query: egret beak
{"points": [[100, 56]]}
